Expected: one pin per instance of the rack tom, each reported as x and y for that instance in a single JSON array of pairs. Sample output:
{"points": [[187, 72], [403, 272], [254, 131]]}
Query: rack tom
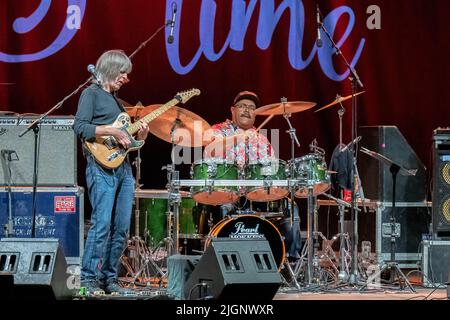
{"points": [[267, 170], [311, 170], [214, 169]]}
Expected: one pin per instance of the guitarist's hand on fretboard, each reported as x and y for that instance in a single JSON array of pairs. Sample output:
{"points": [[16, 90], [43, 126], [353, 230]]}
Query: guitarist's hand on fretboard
{"points": [[143, 131]]}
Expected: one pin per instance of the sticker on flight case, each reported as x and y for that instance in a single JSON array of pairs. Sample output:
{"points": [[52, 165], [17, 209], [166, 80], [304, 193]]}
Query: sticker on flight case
{"points": [[65, 204]]}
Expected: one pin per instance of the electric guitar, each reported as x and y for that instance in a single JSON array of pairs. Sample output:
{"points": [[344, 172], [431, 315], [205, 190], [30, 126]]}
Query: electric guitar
{"points": [[109, 153]]}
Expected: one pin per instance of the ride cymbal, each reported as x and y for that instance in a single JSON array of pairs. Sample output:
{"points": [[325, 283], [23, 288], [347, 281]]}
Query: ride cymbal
{"points": [[284, 108], [339, 99]]}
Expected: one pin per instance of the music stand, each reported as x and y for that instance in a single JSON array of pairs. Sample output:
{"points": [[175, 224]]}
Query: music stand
{"points": [[394, 168]]}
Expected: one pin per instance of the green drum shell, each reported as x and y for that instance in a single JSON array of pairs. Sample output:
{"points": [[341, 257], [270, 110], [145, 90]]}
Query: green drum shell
{"points": [[155, 209], [311, 169], [223, 171], [270, 171]]}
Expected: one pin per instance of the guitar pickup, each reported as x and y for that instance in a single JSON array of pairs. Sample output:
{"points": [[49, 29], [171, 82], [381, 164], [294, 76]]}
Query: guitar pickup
{"points": [[113, 156]]}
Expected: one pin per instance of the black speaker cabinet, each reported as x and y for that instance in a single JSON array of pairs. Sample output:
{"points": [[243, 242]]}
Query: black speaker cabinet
{"points": [[376, 177], [38, 266], [435, 262], [441, 184], [57, 161], [239, 269]]}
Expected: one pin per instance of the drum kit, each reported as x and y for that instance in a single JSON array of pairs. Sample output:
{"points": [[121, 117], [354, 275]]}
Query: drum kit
{"points": [[173, 217]]}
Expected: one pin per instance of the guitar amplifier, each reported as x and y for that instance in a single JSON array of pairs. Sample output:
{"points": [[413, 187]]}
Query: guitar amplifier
{"points": [[59, 215], [57, 158]]}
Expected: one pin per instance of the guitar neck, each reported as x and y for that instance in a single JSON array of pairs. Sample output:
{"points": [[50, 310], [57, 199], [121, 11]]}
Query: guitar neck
{"points": [[132, 129]]}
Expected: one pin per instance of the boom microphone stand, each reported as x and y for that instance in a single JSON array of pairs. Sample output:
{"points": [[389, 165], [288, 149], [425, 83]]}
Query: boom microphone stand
{"points": [[355, 82], [394, 168]]}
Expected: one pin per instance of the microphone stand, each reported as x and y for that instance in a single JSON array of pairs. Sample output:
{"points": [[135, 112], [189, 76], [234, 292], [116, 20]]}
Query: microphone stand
{"points": [[35, 127], [9, 227], [355, 82]]}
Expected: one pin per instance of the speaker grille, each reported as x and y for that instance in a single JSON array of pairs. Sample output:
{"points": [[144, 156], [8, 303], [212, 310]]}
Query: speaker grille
{"points": [[57, 161], [441, 187], [445, 173], [445, 209]]}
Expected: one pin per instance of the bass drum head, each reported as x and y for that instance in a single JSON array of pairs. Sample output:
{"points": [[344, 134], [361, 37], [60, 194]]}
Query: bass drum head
{"points": [[229, 228]]}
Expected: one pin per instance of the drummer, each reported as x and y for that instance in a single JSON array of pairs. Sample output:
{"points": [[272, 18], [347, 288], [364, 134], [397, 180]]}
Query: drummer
{"points": [[243, 118], [255, 147]]}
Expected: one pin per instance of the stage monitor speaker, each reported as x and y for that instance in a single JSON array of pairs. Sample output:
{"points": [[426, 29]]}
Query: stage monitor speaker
{"points": [[38, 266], [239, 269], [57, 162], [376, 177], [441, 184]]}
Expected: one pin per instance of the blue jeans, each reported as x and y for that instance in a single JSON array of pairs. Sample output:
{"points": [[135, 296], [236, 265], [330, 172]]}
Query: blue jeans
{"points": [[111, 195]]}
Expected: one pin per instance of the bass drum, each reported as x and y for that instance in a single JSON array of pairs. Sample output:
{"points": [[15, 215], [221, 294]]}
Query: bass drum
{"points": [[229, 228]]}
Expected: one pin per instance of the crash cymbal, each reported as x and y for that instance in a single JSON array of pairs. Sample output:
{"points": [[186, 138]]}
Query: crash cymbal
{"points": [[188, 133], [339, 99], [283, 108], [135, 112], [124, 103]]}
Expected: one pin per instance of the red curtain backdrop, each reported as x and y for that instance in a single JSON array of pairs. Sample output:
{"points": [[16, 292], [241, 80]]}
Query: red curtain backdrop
{"points": [[403, 65]]}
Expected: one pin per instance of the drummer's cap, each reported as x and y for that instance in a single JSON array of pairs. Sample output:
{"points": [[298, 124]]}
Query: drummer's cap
{"points": [[247, 95]]}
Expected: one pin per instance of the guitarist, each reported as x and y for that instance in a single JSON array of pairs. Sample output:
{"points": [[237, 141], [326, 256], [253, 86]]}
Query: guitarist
{"points": [[111, 191]]}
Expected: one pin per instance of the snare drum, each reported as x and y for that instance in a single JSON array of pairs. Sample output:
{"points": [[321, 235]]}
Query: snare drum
{"points": [[270, 169], [311, 170], [230, 228], [214, 169]]}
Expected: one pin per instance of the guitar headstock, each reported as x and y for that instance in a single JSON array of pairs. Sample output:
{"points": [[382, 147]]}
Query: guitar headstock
{"points": [[184, 96]]}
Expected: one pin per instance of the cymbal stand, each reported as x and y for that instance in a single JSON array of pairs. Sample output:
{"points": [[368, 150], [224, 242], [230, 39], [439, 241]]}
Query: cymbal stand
{"points": [[295, 220], [343, 272], [173, 187], [344, 254], [140, 257], [355, 82]]}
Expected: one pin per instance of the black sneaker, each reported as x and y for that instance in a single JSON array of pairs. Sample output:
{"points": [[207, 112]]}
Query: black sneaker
{"points": [[91, 288], [114, 288]]}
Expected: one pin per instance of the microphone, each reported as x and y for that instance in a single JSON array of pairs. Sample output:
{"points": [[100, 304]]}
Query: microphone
{"points": [[91, 70], [319, 26], [357, 139], [172, 22]]}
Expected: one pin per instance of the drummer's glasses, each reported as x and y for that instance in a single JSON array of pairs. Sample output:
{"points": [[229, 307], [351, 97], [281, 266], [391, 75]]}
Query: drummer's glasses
{"points": [[249, 107]]}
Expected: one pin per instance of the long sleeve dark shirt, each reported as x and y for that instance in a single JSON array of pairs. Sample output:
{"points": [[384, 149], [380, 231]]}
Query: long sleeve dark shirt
{"points": [[95, 107]]}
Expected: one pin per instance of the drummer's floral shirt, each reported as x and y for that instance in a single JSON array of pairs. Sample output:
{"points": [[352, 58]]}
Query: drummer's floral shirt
{"points": [[259, 148]]}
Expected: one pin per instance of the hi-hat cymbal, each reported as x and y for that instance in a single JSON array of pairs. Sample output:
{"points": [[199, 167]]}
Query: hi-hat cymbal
{"points": [[339, 99], [283, 108], [189, 132]]}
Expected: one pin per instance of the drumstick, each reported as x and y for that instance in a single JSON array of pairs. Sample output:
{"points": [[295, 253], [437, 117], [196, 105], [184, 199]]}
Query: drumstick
{"points": [[265, 122]]}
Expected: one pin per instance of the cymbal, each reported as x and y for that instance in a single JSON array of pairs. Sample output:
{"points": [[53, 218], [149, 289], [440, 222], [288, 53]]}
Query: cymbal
{"points": [[220, 145], [188, 133], [124, 103], [339, 99], [282, 108], [8, 113], [135, 111]]}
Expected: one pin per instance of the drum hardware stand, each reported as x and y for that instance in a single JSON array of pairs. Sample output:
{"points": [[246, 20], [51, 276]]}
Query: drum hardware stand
{"points": [[355, 82], [295, 220], [9, 227], [140, 257], [174, 201], [392, 265]]}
